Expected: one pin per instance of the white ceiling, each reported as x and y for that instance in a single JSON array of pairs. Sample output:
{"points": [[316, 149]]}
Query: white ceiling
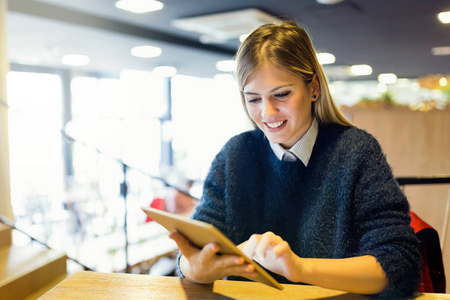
{"points": [[391, 36]]}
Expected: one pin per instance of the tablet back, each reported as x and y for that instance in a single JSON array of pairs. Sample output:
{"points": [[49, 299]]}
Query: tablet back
{"points": [[200, 233]]}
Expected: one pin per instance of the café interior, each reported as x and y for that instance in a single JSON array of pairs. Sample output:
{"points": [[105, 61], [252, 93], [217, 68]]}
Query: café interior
{"points": [[107, 106]]}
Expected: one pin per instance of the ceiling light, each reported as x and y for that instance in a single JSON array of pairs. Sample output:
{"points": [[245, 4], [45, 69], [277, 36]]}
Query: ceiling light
{"points": [[387, 78], [328, 2], [226, 65], [75, 60], [146, 51], [139, 6], [440, 51], [165, 71], [326, 58], [361, 70], [444, 17]]}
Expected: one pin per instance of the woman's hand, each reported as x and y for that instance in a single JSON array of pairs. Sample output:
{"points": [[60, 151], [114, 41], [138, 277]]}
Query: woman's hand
{"points": [[205, 265], [361, 275], [274, 254]]}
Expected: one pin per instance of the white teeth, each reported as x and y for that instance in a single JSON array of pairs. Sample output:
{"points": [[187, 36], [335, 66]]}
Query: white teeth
{"points": [[275, 125]]}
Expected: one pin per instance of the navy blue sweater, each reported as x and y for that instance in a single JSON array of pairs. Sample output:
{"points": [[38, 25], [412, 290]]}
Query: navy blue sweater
{"points": [[345, 203]]}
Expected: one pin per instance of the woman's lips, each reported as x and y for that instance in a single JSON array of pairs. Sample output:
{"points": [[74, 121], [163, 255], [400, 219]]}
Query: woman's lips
{"points": [[275, 126]]}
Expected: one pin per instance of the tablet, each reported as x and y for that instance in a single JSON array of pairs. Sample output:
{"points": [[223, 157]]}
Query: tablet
{"points": [[200, 233]]}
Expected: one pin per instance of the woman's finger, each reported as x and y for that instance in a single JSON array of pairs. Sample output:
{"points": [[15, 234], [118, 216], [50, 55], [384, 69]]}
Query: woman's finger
{"points": [[250, 245], [226, 261], [243, 270], [268, 240], [261, 248], [280, 249], [186, 248], [242, 245], [209, 251]]}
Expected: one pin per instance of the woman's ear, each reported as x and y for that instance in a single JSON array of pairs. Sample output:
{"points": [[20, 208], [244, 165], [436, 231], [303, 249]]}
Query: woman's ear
{"points": [[314, 87]]}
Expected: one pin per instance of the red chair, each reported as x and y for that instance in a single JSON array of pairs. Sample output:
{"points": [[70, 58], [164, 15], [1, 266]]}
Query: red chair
{"points": [[157, 203], [433, 275]]}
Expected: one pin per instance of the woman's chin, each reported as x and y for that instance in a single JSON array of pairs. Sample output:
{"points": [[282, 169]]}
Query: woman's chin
{"points": [[273, 138]]}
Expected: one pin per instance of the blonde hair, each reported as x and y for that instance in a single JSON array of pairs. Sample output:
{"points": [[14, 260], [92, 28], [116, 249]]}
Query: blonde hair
{"points": [[287, 46]]}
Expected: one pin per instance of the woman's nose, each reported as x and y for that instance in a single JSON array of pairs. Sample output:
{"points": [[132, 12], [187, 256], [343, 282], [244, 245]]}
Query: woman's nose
{"points": [[268, 108]]}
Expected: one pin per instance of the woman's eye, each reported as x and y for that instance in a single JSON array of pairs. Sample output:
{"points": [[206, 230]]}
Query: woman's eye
{"points": [[282, 95], [253, 100]]}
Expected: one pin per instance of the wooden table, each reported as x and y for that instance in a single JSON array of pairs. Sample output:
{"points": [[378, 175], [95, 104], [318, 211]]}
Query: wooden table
{"points": [[92, 285]]}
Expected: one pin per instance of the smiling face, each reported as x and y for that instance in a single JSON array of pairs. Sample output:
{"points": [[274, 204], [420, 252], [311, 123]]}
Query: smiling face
{"points": [[279, 103]]}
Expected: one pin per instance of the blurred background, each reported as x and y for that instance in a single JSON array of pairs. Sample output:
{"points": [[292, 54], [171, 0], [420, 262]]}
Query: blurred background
{"points": [[109, 105]]}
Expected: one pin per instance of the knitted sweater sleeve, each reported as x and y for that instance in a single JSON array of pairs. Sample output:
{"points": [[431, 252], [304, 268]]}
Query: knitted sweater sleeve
{"points": [[382, 211]]}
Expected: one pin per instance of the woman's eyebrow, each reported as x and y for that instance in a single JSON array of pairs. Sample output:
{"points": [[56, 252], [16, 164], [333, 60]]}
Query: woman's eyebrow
{"points": [[271, 91]]}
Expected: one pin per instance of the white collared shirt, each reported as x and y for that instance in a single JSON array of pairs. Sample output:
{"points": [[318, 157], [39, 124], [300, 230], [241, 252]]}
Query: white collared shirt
{"points": [[303, 148]]}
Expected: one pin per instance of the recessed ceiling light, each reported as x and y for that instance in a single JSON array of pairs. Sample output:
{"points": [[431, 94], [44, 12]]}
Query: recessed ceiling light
{"points": [[440, 51], [387, 78], [146, 51], [139, 6], [165, 71], [326, 58], [361, 70], [329, 2], [444, 17], [75, 60], [226, 65]]}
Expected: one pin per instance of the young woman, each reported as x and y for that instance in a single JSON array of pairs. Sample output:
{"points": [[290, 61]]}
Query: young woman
{"points": [[307, 195]]}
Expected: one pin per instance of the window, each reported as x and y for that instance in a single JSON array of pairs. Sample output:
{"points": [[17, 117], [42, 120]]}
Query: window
{"points": [[205, 113], [35, 145]]}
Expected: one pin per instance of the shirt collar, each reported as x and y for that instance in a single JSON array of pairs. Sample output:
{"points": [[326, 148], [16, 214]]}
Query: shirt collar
{"points": [[303, 148]]}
